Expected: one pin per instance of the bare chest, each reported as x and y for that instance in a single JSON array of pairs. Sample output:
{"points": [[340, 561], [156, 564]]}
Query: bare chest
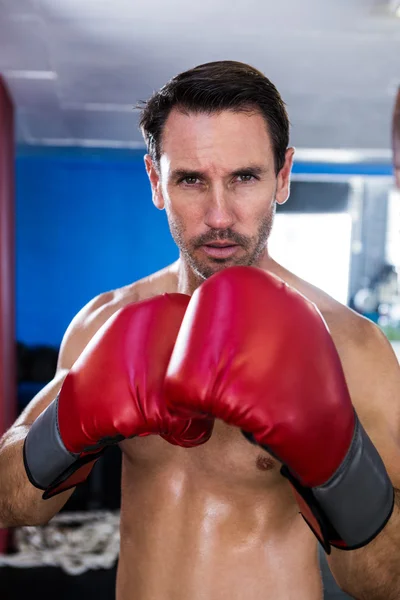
{"points": [[227, 456]]}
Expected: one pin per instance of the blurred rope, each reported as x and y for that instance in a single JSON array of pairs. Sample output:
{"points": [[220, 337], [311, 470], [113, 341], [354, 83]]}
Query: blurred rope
{"points": [[75, 542]]}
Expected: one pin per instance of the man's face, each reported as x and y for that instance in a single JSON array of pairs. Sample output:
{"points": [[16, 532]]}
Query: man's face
{"points": [[218, 186]]}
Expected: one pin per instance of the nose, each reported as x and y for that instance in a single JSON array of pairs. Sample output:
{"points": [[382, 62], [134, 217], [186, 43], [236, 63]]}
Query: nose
{"points": [[219, 211]]}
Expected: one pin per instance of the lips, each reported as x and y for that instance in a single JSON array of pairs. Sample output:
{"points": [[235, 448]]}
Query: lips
{"points": [[223, 245], [218, 250]]}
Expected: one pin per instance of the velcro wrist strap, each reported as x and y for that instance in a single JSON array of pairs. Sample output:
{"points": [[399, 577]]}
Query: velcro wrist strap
{"points": [[45, 455], [354, 505]]}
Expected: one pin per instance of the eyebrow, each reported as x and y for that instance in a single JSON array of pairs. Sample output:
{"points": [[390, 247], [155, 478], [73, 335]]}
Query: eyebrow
{"points": [[249, 170]]}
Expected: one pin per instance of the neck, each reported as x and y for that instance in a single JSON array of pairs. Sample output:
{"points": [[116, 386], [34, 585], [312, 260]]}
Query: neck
{"points": [[188, 281]]}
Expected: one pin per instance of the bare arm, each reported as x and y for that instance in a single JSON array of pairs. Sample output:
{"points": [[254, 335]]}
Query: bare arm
{"points": [[373, 572], [20, 502]]}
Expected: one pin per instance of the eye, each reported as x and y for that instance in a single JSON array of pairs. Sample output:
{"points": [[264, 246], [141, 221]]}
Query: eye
{"points": [[189, 180], [246, 177]]}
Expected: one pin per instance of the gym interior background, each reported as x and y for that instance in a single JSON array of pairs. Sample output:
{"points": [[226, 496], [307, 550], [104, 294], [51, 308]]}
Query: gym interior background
{"points": [[84, 221]]}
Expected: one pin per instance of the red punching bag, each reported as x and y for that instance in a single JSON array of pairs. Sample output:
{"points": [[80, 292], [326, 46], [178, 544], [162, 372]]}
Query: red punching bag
{"points": [[8, 399], [396, 139]]}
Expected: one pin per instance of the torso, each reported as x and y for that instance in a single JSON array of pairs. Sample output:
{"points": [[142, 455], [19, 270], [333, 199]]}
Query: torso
{"points": [[217, 521]]}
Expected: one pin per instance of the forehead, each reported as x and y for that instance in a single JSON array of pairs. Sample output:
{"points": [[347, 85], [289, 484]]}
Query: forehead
{"points": [[204, 140]]}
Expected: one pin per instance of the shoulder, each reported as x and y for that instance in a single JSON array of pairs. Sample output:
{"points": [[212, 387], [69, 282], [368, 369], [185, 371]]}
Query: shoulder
{"points": [[349, 330], [96, 312], [160, 282], [86, 323], [369, 363], [366, 354], [371, 370], [372, 374]]}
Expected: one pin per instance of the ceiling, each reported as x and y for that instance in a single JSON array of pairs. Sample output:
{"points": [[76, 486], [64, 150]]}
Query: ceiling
{"points": [[75, 68]]}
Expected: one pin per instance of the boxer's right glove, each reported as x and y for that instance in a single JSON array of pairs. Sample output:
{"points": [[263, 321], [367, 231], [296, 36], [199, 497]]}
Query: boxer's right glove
{"points": [[114, 391]]}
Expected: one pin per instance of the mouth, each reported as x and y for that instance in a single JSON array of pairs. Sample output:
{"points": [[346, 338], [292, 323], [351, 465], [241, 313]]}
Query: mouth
{"points": [[220, 249]]}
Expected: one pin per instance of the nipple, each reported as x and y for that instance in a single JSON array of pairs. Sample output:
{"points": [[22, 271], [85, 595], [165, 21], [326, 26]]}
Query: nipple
{"points": [[264, 463]]}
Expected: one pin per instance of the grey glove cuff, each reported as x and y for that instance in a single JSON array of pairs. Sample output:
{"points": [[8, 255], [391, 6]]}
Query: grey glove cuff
{"points": [[45, 456], [358, 499]]}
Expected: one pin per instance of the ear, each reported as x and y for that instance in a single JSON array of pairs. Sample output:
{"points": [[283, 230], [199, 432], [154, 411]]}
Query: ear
{"points": [[155, 183], [283, 179]]}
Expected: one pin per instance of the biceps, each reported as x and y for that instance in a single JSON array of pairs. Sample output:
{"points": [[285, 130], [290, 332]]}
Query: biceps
{"points": [[41, 401]]}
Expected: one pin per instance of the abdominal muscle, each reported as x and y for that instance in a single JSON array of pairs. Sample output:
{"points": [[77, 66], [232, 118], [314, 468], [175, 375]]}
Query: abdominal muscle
{"points": [[217, 522]]}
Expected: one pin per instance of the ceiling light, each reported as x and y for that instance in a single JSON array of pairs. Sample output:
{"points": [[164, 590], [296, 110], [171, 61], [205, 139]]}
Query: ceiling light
{"points": [[34, 75]]}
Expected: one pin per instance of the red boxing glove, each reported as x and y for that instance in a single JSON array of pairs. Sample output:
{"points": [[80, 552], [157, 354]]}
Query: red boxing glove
{"points": [[114, 391], [257, 354]]}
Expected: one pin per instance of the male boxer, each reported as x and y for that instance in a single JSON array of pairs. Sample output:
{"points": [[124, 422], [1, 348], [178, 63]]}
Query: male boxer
{"points": [[205, 513]]}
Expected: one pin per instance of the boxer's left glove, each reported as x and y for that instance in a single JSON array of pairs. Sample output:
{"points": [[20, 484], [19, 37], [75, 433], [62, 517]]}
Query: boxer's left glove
{"points": [[257, 354], [114, 391]]}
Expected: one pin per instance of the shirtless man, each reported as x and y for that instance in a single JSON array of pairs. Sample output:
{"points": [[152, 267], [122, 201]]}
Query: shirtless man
{"points": [[210, 516]]}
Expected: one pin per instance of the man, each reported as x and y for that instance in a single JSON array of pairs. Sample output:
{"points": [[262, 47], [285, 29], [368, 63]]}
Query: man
{"points": [[205, 513]]}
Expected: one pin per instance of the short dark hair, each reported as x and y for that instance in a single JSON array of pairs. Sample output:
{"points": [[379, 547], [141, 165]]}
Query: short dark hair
{"points": [[213, 87]]}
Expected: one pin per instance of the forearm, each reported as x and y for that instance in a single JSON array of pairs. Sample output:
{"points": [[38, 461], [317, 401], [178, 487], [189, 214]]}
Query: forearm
{"points": [[20, 502], [372, 572]]}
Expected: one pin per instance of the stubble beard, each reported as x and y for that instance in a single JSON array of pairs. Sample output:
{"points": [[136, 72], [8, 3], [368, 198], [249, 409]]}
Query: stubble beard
{"points": [[254, 246]]}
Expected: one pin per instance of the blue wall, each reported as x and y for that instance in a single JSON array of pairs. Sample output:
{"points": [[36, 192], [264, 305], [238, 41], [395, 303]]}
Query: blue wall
{"points": [[85, 224]]}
